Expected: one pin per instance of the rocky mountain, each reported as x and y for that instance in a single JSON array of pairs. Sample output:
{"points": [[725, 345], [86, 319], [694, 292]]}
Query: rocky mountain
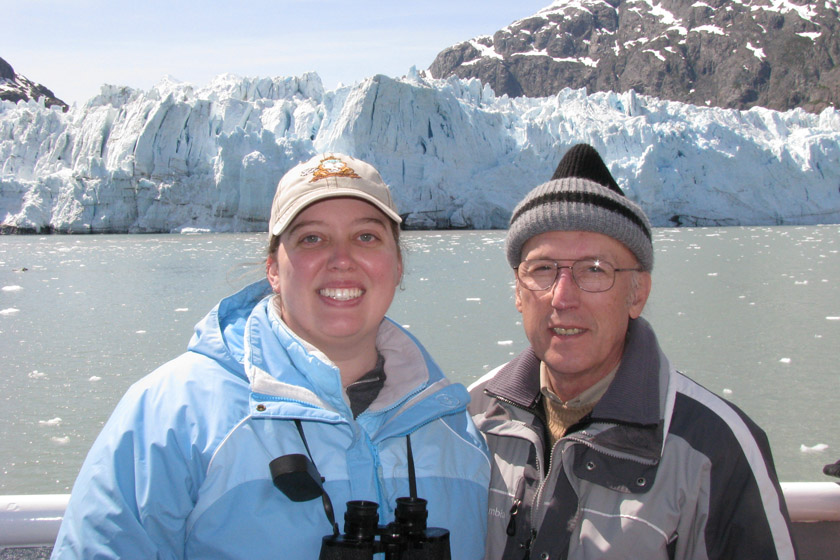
{"points": [[778, 54], [14, 87]]}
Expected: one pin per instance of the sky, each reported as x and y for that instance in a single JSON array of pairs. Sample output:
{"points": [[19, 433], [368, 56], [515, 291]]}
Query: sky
{"points": [[73, 48]]}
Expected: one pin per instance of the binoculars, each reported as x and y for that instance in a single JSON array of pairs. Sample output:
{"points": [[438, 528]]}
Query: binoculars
{"points": [[405, 538]]}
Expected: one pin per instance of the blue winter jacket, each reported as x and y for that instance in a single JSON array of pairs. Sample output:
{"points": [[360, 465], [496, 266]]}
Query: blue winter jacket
{"points": [[181, 469]]}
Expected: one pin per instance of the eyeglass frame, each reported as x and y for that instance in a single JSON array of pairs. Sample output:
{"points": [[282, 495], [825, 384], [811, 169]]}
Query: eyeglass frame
{"points": [[558, 267]]}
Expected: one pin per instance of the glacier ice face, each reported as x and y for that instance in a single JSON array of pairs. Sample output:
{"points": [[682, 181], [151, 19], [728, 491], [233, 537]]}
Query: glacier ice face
{"points": [[180, 158]]}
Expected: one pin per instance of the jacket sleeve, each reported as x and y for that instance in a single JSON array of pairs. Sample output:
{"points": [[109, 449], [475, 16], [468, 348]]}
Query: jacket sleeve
{"points": [[746, 517], [138, 483]]}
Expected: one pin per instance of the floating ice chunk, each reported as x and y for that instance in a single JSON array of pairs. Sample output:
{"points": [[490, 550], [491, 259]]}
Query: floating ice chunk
{"points": [[818, 448], [800, 282], [785, 360], [12, 288], [504, 342], [712, 274], [182, 309], [727, 391], [95, 378], [51, 422], [35, 374], [473, 299], [832, 318], [60, 440], [139, 332], [9, 311]]}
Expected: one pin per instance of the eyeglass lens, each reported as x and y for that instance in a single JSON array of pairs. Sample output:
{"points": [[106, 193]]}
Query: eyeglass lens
{"points": [[589, 275]]}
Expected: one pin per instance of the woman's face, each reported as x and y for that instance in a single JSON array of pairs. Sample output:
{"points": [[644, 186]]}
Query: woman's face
{"points": [[336, 269]]}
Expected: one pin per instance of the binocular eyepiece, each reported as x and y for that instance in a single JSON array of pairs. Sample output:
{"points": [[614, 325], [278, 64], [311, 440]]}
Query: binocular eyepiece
{"points": [[406, 538]]}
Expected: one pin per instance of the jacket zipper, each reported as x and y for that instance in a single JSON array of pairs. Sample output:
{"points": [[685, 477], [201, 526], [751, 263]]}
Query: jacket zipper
{"points": [[514, 511], [544, 477], [607, 451]]}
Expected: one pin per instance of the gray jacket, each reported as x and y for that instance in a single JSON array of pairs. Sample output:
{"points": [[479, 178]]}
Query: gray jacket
{"points": [[661, 468]]}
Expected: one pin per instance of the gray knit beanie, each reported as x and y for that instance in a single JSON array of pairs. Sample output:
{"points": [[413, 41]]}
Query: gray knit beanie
{"points": [[581, 196]]}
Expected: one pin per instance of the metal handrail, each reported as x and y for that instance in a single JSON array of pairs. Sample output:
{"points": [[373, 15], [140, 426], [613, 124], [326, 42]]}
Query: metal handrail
{"points": [[34, 519], [31, 520]]}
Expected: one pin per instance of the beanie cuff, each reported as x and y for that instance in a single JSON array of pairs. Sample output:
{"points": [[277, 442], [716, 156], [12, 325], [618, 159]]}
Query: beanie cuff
{"points": [[575, 204]]}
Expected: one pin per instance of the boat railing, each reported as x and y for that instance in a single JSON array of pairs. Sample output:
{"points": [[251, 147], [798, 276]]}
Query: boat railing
{"points": [[33, 520]]}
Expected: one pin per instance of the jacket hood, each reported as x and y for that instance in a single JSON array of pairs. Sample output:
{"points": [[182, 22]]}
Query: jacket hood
{"points": [[220, 334], [283, 367], [245, 335]]}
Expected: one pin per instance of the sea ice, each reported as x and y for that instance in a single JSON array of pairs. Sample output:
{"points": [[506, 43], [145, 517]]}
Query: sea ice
{"points": [[785, 360], [504, 342], [12, 288], [818, 448], [95, 378], [9, 311], [51, 422]]}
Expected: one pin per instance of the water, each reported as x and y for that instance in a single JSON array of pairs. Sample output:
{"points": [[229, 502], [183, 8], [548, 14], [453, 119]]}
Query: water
{"points": [[751, 313]]}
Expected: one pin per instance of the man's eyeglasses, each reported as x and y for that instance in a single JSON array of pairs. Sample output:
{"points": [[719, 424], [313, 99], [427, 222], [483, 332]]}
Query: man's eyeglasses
{"points": [[590, 275]]}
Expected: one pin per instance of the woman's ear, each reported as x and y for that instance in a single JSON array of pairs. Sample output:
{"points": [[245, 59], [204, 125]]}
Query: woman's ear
{"points": [[399, 271], [272, 272]]}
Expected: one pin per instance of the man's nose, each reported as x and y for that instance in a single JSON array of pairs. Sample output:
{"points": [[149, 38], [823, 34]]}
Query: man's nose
{"points": [[565, 293]]}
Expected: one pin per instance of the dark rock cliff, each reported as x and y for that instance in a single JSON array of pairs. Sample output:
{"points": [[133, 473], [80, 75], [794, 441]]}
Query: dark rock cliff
{"points": [[779, 55], [14, 87]]}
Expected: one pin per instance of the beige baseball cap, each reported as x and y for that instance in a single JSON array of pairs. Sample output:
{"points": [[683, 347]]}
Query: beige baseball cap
{"points": [[328, 176]]}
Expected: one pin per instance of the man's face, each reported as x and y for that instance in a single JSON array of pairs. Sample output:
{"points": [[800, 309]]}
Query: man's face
{"points": [[580, 335]]}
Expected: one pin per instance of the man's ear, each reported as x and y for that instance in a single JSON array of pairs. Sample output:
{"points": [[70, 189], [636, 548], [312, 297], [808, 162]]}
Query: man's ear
{"points": [[640, 295], [517, 292]]}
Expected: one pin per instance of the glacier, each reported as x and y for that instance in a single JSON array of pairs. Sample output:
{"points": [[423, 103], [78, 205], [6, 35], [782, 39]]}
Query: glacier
{"points": [[181, 158]]}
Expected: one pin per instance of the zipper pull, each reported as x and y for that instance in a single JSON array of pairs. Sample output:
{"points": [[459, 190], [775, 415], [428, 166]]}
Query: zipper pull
{"points": [[511, 527]]}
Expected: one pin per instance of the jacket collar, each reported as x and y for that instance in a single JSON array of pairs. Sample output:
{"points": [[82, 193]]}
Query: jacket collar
{"points": [[632, 398]]}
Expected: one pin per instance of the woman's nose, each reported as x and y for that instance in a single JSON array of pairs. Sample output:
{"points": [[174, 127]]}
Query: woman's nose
{"points": [[341, 257]]}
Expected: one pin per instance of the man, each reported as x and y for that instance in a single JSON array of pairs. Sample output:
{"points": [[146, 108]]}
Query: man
{"points": [[602, 449]]}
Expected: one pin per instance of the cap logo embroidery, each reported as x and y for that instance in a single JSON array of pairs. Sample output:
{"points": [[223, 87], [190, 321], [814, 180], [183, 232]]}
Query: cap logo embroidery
{"points": [[333, 167]]}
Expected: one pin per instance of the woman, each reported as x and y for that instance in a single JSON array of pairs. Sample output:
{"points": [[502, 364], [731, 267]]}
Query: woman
{"points": [[304, 365]]}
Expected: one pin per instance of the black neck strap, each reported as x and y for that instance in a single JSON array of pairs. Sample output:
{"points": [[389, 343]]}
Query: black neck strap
{"points": [[412, 477], [325, 498]]}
